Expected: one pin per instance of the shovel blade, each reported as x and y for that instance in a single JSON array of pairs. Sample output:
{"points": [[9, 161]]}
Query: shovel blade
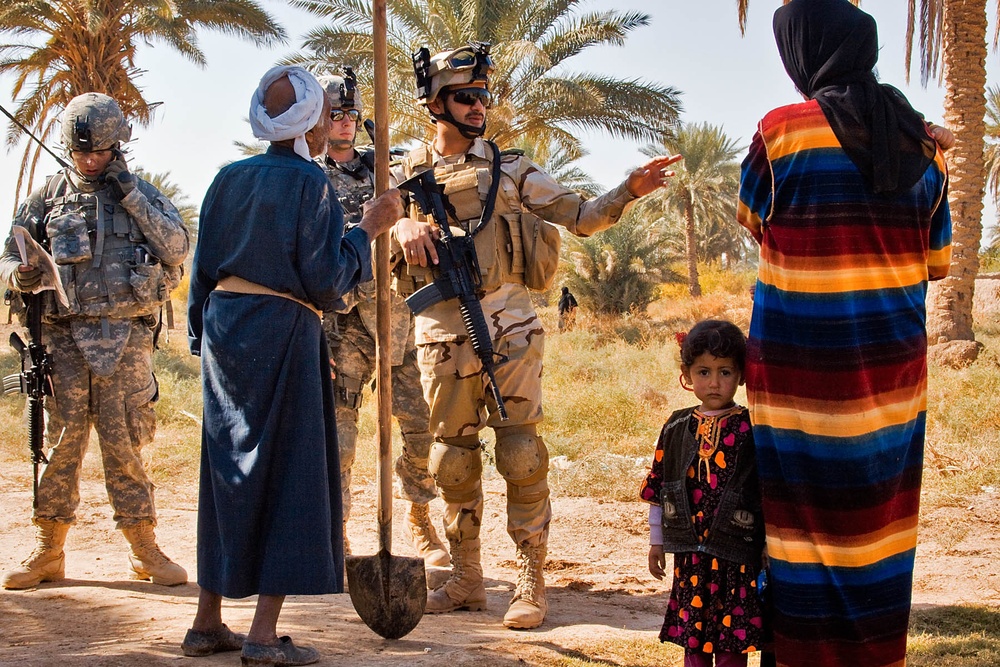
{"points": [[388, 592]]}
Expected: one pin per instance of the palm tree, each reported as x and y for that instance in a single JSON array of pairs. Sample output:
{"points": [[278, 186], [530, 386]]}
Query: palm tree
{"points": [[619, 269], [58, 49], [701, 194], [540, 103], [952, 36]]}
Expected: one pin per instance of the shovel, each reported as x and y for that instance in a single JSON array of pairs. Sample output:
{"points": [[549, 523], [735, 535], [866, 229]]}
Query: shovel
{"points": [[388, 592]]}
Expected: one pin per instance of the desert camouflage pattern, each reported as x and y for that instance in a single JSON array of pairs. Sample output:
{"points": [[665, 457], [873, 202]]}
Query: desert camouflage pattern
{"points": [[524, 189], [451, 373], [351, 334], [102, 120], [119, 407]]}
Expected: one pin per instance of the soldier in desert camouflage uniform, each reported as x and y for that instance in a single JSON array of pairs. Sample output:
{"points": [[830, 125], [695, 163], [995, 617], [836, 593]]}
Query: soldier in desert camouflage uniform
{"points": [[517, 251], [118, 244], [351, 336]]}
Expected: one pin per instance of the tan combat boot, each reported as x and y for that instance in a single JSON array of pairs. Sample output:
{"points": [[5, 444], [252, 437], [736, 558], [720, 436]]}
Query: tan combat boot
{"points": [[146, 559], [47, 562], [424, 538], [528, 607], [464, 588]]}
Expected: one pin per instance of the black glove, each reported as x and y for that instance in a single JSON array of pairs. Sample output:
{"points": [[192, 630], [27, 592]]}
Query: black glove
{"points": [[27, 280], [121, 180]]}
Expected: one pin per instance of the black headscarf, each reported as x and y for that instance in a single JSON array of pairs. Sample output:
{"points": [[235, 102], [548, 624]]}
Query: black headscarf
{"points": [[829, 49]]}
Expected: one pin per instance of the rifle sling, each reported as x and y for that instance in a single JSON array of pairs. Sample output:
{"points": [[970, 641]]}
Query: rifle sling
{"points": [[491, 196]]}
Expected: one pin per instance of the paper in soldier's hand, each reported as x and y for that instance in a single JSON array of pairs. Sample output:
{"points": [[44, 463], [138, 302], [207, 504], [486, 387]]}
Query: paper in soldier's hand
{"points": [[33, 254]]}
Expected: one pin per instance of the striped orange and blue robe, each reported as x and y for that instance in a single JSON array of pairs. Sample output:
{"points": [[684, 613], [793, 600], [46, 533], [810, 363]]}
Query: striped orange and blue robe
{"points": [[836, 383]]}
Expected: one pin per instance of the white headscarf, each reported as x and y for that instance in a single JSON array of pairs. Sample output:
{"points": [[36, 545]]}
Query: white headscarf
{"points": [[298, 119]]}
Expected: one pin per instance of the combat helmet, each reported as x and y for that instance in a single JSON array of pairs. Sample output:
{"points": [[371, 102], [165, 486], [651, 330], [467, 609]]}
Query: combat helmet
{"points": [[465, 65], [342, 90], [92, 122]]}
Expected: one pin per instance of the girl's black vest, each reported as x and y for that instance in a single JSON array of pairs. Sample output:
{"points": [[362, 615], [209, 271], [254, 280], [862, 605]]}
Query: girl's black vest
{"points": [[737, 531]]}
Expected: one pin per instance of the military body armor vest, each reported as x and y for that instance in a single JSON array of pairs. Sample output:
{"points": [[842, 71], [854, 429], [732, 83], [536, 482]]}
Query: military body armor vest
{"points": [[513, 246], [104, 263]]}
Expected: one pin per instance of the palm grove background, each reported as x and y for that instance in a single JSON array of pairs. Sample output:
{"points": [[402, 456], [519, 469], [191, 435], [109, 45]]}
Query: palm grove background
{"points": [[677, 257]]}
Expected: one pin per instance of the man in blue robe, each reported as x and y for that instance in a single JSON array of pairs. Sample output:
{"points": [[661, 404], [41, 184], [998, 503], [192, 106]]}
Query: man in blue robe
{"points": [[271, 255]]}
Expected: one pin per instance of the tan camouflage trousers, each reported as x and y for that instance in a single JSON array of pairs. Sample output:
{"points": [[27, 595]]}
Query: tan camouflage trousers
{"points": [[119, 407], [355, 367], [461, 406]]}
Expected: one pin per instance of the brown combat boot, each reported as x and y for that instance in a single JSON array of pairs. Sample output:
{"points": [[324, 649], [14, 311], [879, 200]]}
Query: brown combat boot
{"points": [[146, 559], [424, 538], [528, 607], [47, 562], [464, 588]]}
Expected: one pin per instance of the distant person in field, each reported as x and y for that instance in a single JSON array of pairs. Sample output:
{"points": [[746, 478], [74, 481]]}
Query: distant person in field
{"points": [[567, 310], [846, 193], [705, 508]]}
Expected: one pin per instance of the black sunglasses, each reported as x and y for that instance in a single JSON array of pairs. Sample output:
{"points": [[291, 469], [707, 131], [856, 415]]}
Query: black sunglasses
{"points": [[338, 115], [469, 96]]}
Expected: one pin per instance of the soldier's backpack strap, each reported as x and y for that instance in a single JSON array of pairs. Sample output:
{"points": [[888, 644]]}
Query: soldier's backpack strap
{"points": [[491, 196]]}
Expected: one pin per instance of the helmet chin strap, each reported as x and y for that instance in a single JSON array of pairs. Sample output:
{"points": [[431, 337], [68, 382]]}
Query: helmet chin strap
{"points": [[467, 131], [341, 144]]}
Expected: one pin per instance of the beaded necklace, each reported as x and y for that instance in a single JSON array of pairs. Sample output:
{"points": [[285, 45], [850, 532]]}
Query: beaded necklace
{"points": [[707, 435]]}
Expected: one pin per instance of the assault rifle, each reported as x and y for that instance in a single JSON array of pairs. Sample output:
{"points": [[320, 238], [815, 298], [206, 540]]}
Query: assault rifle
{"points": [[459, 277], [35, 380]]}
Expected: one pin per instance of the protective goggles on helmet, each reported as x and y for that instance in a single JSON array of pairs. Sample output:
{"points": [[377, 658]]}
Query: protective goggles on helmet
{"points": [[474, 56], [469, 96], [338, 115]]}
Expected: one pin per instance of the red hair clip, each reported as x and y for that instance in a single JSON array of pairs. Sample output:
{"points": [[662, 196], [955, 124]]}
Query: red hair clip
{"points": [[680, 336]]}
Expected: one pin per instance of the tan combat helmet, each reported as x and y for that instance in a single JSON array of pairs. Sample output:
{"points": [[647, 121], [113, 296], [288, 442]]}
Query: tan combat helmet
{"points": [[470, 64], [463, 65], [93, 122]]}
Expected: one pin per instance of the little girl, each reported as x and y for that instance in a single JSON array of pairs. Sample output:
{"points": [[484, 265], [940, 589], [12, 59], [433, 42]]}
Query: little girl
{"points": [[705, 507]]}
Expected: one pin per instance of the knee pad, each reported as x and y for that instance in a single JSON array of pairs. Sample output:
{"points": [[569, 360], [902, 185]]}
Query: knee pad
{"points": [[522, 458], [456, 470]]}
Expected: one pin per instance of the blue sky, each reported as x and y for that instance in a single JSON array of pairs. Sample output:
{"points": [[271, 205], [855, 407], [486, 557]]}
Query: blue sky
{"points": [[695, 47]]}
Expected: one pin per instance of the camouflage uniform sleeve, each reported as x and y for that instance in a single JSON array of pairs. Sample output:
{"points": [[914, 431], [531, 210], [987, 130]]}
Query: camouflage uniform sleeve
{"points": [[545, 197], [29, 214], [160, 223]]}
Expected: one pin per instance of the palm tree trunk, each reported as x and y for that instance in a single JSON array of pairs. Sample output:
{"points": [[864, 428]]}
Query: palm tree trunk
{"points": [[950, 300], [694, 286]]}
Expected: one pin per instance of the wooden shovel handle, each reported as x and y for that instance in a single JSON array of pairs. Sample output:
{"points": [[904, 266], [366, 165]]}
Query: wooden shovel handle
{"points": [[383, 312]]}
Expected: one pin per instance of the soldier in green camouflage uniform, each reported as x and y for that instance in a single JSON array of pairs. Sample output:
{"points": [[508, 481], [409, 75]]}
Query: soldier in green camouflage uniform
{"points": [[351, 333], [517, 250], [118, 245]]}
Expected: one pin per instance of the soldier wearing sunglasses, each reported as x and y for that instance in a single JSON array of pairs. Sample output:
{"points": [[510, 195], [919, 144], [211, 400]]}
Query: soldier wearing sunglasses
{"points": [[351, 334], [517, 250]]}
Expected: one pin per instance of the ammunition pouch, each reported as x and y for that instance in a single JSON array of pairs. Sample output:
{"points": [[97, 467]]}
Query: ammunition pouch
{"points": [[69, 237]]}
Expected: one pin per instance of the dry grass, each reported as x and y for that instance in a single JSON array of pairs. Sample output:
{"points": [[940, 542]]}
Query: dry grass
{"points": [[609, 385]]}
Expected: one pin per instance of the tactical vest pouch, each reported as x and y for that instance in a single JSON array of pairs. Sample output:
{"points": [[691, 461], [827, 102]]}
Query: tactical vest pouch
{"points": [[541, 243], [147, 283], [69, 238], [462, 190]]}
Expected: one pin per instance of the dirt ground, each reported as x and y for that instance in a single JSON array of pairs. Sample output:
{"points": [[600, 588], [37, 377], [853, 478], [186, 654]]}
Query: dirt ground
{"points": [[598, 588]]}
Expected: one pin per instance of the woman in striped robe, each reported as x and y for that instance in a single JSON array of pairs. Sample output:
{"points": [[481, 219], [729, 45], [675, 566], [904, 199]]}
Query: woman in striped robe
{"points": [[847, 195]]}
